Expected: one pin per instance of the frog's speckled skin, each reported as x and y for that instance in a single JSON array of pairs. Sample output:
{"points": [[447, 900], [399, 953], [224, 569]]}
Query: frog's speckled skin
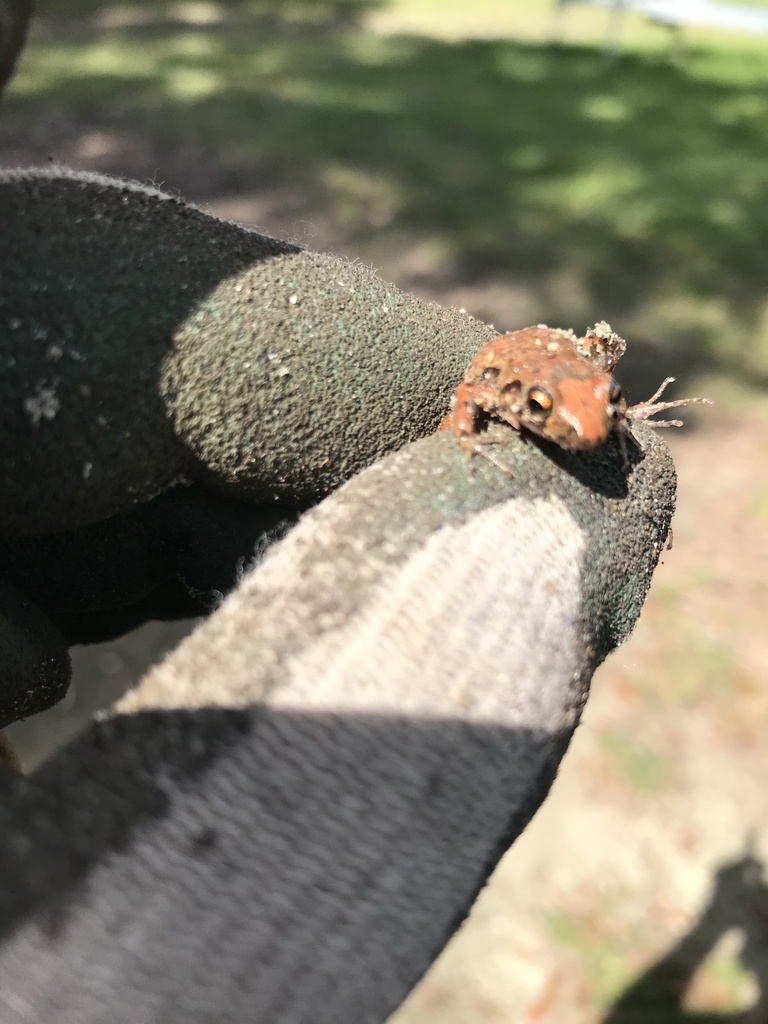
{"points": [[537, 379], [553, 384]]}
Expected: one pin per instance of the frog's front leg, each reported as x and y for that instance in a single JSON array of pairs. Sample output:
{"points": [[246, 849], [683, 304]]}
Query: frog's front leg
{"points": [[473, 403], [642, 413], [644, 410]]}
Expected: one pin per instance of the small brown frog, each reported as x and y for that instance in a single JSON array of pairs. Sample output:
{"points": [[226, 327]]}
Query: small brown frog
{"points": [[557, 386]]}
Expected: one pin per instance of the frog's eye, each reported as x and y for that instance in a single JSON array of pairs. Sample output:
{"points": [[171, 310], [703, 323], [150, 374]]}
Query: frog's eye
{"points": [[615, 393], [539, 404]]}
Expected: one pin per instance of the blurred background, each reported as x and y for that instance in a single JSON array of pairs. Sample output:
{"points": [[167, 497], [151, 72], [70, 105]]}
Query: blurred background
{"points": [[491, 155]]}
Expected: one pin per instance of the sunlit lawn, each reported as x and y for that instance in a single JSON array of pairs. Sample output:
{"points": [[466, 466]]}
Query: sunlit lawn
{"points": [[634, 189]]}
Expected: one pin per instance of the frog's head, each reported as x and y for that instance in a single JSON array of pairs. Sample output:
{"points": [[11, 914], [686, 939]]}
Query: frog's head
{"points": [[577, 414]]}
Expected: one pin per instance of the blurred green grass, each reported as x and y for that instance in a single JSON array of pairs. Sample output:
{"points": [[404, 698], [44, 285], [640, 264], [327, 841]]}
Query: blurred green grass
{"points": [[634, 190]]}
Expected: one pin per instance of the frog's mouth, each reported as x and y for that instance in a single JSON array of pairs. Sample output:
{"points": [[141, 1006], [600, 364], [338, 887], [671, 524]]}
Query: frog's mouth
{"points": [[582, 433]]}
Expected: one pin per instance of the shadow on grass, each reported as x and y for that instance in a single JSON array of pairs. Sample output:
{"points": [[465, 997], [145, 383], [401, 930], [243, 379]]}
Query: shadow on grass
{"points": [[739, 900], [633, 191]]}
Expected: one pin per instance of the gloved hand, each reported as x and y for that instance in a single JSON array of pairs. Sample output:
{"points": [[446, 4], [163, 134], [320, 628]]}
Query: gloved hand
{"points": [[288, 818]]}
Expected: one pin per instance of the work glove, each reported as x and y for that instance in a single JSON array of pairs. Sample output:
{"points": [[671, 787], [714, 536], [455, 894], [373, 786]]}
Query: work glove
{"points": [[287, 819]]}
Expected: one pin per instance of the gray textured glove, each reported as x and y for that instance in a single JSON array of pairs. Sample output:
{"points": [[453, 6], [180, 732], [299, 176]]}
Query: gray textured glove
{"points": [[287, 819]]}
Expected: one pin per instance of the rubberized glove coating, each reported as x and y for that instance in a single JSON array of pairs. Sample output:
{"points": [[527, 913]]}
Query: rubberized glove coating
{"points": [[288, 818]]}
